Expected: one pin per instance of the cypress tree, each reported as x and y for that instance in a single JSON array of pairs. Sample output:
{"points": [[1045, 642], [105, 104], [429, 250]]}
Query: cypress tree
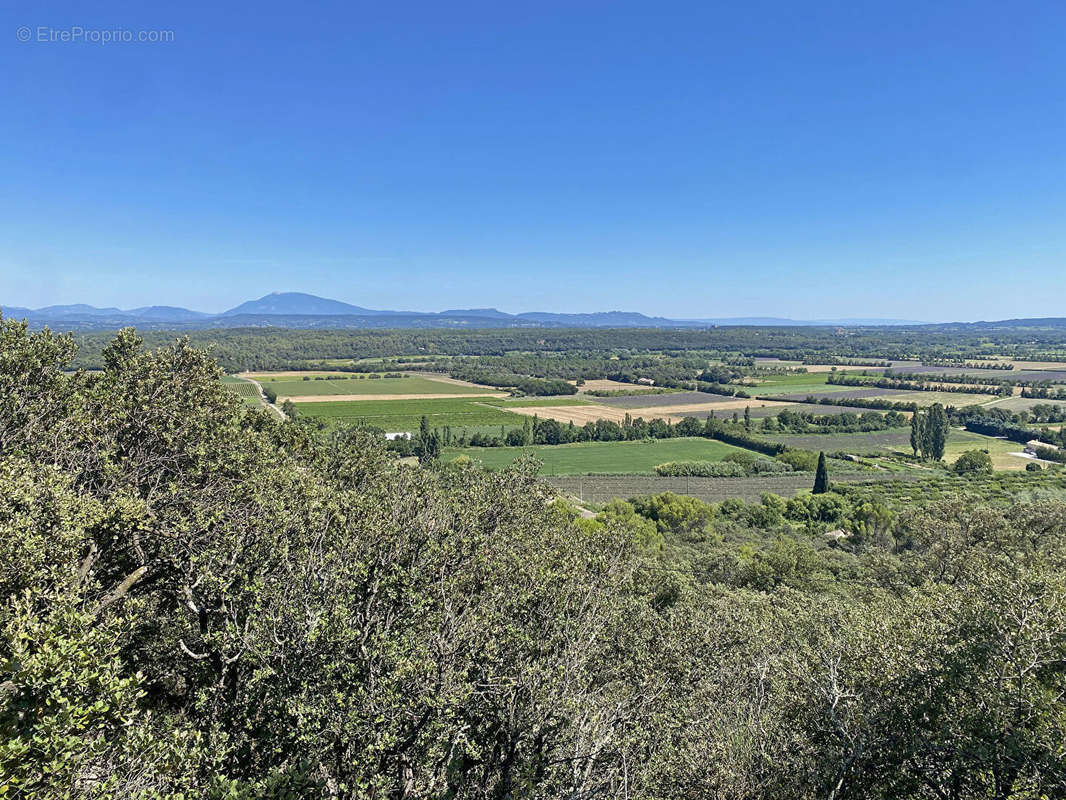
{"points": [[747, 418], [821, 477]]}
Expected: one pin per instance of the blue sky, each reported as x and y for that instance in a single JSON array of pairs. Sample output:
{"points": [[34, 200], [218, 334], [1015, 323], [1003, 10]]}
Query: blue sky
{"points": [[698, 159]]}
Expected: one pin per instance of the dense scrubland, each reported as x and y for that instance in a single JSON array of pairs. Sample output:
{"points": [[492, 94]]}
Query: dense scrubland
{"points": [[202, 601]]}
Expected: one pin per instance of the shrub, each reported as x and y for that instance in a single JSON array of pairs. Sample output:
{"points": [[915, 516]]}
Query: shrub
{"points": [[973, 462], [799, 460], [740, 457]]}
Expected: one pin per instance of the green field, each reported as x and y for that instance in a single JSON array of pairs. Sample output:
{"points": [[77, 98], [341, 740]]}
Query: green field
{"points": [[793, 379], [898, 440], [810, 383], [606, 458], [296, 387], [405, 415], [1023, 403], [999, 449], [246, 390]]}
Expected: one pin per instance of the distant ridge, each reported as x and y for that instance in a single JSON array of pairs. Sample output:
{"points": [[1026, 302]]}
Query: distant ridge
{"points": [[301, 310]]}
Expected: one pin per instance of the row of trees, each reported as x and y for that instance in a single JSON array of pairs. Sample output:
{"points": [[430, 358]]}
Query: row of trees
{"points": [[913, 384]]}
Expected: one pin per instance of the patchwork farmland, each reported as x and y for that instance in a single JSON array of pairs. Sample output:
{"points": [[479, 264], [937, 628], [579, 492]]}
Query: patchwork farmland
{"points": [[478, 415], [604, 488]]}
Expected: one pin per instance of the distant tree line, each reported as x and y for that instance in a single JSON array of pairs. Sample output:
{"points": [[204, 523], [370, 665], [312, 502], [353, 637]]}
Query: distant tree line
{"points": [[537, 431], [844, 379], [991, 426], [1000, 365], [1044, 392], [281, 348], [789, 421]]}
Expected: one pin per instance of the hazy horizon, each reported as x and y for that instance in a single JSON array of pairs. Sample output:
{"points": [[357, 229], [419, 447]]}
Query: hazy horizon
{"points": [[368, 307]]}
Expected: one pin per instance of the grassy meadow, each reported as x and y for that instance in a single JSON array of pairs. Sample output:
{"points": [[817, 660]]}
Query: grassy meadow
{"points": [[288, 386], [405, 415]]}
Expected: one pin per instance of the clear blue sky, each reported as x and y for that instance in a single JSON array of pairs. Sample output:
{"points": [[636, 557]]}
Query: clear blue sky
{"points": [[902, 159]]}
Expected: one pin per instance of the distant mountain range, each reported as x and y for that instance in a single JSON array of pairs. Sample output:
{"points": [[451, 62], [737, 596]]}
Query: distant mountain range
{"points": [[299, 310]]}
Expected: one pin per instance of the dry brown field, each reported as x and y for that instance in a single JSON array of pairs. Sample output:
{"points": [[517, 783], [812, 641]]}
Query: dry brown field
{"points": [[604, 385], [579, 415]]}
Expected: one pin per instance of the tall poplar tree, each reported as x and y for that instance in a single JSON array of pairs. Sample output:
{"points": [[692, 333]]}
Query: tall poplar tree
{"points": [[916, 432], [936, 431]]}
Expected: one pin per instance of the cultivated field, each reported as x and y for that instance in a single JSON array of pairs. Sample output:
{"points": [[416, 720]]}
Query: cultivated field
{"points": [[534, 402], [794, 390], [765, 408], [635, 403], [405, 415], [604, 385], [957, 399], [578, 414], [601, 489], [847, 393], [898, 440], [843, 393], [855, 443], [355, 398], [1052, 365], [602, 457], [246, 390], [351, 388], [1023, 403]]}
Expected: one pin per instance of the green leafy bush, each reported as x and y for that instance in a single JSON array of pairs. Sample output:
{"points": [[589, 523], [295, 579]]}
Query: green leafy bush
{"points": [[973, 461]]}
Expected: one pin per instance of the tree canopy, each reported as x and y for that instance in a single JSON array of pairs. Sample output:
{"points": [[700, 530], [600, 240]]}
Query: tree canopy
{"points": [[201, 601]]}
